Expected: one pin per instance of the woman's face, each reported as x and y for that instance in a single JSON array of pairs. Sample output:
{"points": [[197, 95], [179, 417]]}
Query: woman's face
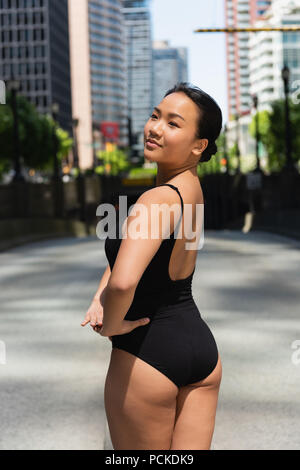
{"points": [[174, 134]]}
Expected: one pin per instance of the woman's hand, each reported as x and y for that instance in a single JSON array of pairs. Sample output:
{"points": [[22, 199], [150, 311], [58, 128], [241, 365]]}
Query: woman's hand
{"points": [[125, 327], [94, 315]]}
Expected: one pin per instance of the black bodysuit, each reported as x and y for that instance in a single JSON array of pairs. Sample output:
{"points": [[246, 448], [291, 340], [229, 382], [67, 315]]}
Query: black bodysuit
{"points": [[176, 341]]}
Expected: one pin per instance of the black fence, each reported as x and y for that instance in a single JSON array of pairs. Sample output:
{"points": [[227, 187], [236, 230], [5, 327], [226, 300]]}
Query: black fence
{"points": [[227, 198]]}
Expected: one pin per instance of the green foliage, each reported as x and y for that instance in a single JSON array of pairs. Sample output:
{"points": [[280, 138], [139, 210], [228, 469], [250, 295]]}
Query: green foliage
{"points": [[142, 172], [272, 133], [112, 162], [233, 158], [36, 134], [65, 143], [214, 164]]}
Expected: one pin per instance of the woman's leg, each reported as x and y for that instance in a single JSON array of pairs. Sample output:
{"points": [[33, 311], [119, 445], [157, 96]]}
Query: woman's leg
{"points": [[140, 404], [196, 411]]}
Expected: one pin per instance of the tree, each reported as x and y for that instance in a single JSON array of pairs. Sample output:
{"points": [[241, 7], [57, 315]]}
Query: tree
{"points": [[214, 164], [272, 133], [35, 133], [112, 162]]}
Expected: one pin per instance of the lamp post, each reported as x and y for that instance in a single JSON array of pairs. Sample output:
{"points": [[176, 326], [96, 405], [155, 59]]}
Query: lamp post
{"points": [[55, 111], [130, 138], [238, 153], [75, 123], [257, 135], [14, 86], [285, 73], [56, 177], [80, 178], [96, 144], [225, 149]]}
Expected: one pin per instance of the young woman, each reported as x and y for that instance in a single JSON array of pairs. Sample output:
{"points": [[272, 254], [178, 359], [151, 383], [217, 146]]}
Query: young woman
{"points": [[163, 380]]}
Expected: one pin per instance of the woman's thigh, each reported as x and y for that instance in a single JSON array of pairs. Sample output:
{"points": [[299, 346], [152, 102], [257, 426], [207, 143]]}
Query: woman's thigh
{"points": [[196, 411], [140, 403]]}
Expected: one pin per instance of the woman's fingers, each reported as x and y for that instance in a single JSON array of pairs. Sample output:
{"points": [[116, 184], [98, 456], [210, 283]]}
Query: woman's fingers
{"points": [[85, 321], [140, 322], [97, 328]]}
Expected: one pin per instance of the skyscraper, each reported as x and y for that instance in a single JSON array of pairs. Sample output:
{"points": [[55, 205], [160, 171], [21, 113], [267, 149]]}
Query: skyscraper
{"points": [[269, 51], [240, 13], [99, 87], [34, 49], [170, 66], [139, 65]]}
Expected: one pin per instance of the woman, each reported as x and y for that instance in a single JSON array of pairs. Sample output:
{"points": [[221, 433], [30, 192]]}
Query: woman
{"points": [[163, 380]]}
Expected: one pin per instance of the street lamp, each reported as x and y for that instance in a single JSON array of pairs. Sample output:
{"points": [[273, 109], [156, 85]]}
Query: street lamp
{"points": [[75, 123], [14, 86], [257, 136], [55, 111], [225, 148], [238, 153], [80, 178], [285, 73], [96, 144]]}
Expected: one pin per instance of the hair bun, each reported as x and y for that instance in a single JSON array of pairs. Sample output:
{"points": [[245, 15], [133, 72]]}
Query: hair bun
{"points": [[210, 150]]}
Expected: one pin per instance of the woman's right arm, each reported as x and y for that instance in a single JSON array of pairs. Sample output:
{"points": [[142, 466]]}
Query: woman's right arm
{"points": [[95, 312], [103, 283]]}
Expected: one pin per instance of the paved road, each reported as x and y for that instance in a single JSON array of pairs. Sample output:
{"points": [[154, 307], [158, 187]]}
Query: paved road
{"points": [[247, 289]]}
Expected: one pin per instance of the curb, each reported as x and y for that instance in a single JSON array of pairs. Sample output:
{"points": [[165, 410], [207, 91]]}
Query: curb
{"points": [[33, 230]]}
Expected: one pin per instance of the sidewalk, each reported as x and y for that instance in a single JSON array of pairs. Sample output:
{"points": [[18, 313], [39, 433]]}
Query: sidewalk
{"points": [[246, 286]]}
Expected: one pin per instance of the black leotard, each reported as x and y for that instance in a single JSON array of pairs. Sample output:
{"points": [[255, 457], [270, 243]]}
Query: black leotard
{"points": [[177, 341]]}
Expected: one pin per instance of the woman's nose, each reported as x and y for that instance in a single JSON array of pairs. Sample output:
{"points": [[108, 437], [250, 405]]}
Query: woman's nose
{"points": [[155, 128]]}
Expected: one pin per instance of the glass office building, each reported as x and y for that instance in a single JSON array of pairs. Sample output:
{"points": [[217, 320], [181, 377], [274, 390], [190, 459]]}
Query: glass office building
{"points": [[34, 49], [170, 66], [99, 86], [139, 65], [241, 14], [108, 74]]}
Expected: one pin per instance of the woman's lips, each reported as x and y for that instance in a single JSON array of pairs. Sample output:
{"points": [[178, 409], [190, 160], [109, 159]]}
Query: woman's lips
{"points": [[151, 145]]}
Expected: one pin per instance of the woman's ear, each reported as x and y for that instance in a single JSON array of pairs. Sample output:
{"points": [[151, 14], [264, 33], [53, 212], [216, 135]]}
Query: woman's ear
{"points": [[200, 147]]}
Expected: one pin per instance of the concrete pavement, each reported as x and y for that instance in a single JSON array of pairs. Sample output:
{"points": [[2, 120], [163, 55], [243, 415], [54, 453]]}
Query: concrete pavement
{"points": [[247, 289]]}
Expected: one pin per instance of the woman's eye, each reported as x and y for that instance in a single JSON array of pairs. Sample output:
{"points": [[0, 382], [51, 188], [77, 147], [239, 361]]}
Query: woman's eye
{"points": [[174, 124]]}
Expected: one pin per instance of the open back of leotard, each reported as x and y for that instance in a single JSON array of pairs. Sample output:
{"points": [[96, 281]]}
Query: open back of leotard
{"points": [[156, 287]]}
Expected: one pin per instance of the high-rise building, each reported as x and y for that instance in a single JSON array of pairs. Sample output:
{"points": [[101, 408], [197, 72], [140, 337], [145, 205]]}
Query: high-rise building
{"points": [[269, 51], [34, 50], [240, 13], [139, 66], [99, 80], [170, 66]]}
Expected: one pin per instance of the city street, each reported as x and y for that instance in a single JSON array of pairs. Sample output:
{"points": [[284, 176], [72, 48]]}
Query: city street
{"points": [[247, 289]]}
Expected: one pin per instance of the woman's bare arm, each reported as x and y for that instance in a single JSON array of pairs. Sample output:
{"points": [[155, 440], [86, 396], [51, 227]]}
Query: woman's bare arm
{"points": [[103, 282], [95, 312]]}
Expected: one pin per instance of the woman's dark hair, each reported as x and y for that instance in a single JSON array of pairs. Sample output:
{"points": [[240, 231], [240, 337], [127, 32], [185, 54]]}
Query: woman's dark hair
{"points": [[210, 116]]}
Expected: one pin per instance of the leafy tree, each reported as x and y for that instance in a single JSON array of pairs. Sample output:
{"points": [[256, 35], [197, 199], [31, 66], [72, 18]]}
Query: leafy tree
{"points": [[272, 133], [112, 162], [214, 164], [35, 134]]}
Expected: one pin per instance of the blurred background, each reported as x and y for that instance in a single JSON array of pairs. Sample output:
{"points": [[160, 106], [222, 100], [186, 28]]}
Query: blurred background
{"points": [[78, 82], [80, 79]]}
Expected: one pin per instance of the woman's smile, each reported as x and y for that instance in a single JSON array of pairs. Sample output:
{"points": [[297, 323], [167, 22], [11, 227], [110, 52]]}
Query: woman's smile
{"points": [[152, 145]]}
